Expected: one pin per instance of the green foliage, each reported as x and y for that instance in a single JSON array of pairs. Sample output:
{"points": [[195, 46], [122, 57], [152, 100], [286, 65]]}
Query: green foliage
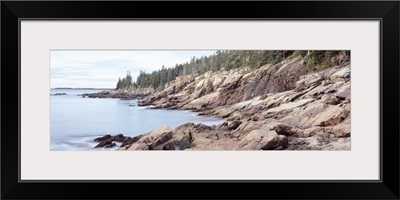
{"points": [[319, 60], [299, 53], [125, 82]]}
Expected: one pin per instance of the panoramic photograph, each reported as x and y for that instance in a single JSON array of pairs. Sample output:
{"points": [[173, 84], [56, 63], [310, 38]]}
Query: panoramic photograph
{"points": [[204, 100]]}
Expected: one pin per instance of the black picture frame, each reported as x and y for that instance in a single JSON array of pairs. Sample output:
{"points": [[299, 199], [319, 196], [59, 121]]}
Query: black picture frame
{"points": [[386, 11]]}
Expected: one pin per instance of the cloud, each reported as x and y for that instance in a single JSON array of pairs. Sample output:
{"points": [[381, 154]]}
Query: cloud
{"points": [[99, 68]]}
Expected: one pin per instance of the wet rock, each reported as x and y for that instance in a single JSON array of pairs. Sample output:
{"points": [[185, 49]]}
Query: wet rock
{"points": [[110, 145], [129, 140], [108, 139], [106, 142], [119, 138], [99, 139]]}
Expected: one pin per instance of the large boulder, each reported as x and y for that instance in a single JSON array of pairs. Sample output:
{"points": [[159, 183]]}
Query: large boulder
{"points": [[155, 140], [183, 136], [190, 134], [331, 116]]}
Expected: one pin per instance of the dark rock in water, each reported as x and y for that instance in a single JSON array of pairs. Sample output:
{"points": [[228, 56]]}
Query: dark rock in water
{"points": [[118, 138], [110, 145], [136, 138], [124, 144], [132, 105], [107, 141], [104, 143], [100, 139]]}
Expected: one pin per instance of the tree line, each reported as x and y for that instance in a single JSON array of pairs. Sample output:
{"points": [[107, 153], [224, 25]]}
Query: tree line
{"points": [[125, 82], [222, 59]]}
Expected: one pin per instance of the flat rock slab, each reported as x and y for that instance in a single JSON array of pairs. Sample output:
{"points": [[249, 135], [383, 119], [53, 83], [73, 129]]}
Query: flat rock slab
{"points": [[289, 105]]}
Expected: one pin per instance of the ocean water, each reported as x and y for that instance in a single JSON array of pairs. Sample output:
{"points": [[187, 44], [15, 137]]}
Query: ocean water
{"points": [[76, 121]]}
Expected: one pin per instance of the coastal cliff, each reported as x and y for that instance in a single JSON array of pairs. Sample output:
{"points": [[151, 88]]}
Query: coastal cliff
{"points": [[285, 106]]}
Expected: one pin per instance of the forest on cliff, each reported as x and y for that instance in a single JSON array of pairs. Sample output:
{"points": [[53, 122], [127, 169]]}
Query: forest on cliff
{"points": [[227, 60]]}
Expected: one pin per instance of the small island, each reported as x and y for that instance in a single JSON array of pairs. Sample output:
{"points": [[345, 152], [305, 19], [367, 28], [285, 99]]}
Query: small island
{"points": [[59, 94]]}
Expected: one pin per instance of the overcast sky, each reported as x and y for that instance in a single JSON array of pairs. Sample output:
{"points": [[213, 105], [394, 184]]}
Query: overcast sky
{"points": [[101, 69]]}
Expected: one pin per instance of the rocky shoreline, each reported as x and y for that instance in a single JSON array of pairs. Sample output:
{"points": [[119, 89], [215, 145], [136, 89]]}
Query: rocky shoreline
{"points": [[276, 107], [126, 94]]}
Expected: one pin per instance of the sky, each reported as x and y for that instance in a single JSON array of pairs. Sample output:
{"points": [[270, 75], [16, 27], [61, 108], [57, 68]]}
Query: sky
{"points": [[101, 69]]}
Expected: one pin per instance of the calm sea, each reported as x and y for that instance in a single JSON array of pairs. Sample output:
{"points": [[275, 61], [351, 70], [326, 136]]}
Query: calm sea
{"points": [[76, 121]]}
